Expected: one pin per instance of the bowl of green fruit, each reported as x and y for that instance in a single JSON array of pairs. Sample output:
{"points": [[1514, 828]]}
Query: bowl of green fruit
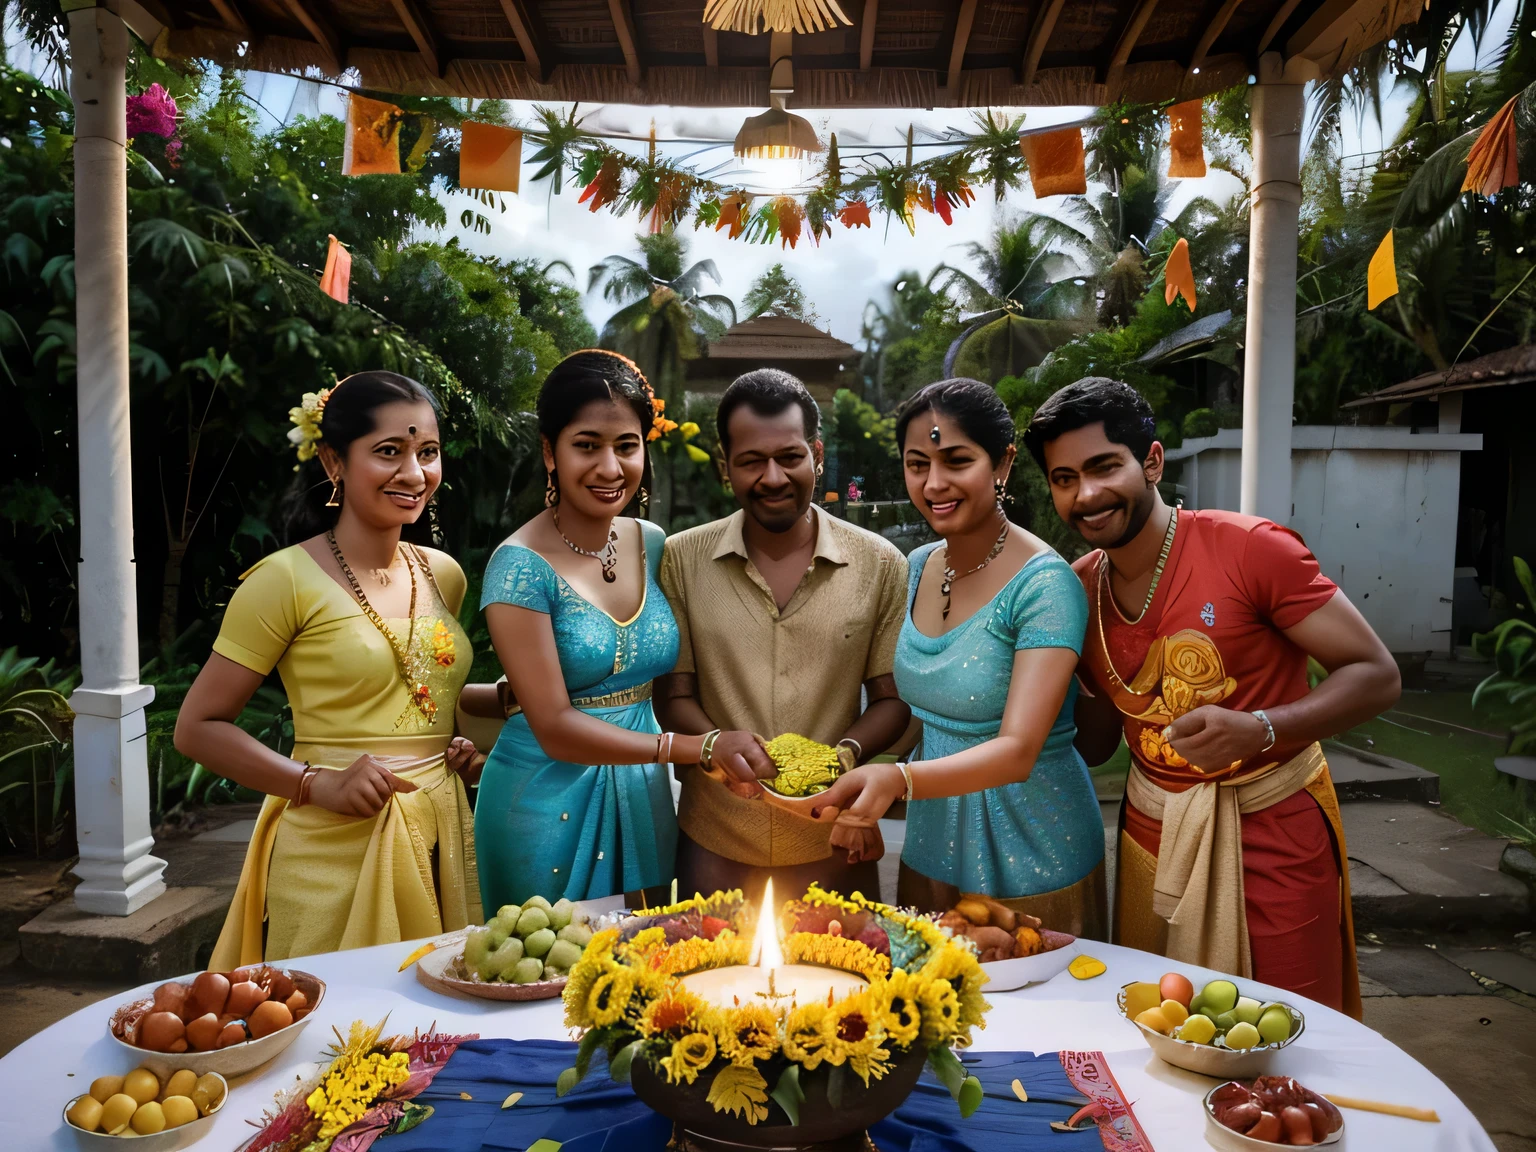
{"points": [[1216, 1031], [521, 953]]}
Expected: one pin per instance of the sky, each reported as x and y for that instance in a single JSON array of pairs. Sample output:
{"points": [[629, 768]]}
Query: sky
{"points": [[850, 267]]}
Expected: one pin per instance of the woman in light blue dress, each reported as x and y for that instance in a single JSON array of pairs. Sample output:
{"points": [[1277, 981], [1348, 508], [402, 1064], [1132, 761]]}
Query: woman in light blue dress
{"points": [[1000, 802], [574, 800]]}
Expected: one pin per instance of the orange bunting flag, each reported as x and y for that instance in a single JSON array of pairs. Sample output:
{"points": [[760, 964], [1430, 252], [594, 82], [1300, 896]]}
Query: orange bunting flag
{"points": [[338, 271], [1055, 162], [373, 138], [1381, 276], [490, 157], [1186, 151], [791, 216], [1179, 276], [1491, 163], [733, 214], [854, 214]]}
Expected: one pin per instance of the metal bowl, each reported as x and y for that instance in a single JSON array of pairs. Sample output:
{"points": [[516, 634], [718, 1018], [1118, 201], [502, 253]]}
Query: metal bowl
{"points": [[166, 1141], [235, 1060], [1214, 1059], [1218, 1135]]}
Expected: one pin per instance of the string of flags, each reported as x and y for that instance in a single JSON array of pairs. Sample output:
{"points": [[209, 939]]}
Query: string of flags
{"points": [[1491, 168]]}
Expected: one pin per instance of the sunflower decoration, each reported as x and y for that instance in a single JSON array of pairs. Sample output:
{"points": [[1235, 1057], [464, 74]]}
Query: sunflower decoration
{"points": [[627, 996]]}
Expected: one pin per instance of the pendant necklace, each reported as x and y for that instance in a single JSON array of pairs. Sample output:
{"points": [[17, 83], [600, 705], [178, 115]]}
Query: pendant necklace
{"points": [[607, 557], [949, 573], [420, 694], [1157, 574]]}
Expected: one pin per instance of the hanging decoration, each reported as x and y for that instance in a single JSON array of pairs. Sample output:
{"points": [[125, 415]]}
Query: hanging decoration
{"points": [[776, 135], [1381, 275], [1179, 275], [490, 157], [1186, 148], [337, 277], [1056, 162], [1491, 165], [373, 138], [754, 16]]}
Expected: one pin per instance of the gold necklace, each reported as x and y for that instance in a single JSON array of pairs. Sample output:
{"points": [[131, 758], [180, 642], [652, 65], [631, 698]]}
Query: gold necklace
{"points": [[607, 557], [420, 694], [949, 573], [1098, 596]]}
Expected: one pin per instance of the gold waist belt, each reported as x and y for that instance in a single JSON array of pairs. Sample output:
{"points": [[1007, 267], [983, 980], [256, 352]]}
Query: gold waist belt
{"points": [[612, 700]]}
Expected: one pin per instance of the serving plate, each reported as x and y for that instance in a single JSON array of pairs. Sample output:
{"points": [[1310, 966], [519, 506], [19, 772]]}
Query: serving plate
{"points": [[1021, 971], [235, 1060], [436, 969], [1212, 1059], [166, 1141], [1218, 1135]]}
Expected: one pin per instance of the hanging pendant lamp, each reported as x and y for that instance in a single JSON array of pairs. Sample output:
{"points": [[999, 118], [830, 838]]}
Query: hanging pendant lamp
{"points": [[776, 134]]}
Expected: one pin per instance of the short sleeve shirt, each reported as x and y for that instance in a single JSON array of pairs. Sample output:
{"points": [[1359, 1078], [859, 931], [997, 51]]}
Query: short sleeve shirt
{"points": [[771, 672]]}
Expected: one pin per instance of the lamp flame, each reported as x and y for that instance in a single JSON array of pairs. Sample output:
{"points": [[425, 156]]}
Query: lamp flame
{"points": [[765, 941]]}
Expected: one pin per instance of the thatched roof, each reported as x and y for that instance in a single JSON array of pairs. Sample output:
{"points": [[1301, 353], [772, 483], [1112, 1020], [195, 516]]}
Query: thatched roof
{"points": [[771, 339], [1511, 366], [896, 53]]}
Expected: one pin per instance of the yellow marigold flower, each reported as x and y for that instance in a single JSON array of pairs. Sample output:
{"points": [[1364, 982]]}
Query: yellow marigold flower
{"points": [[645, 942], [690, 1055], [805, 766], [749, 1032], [941, 1012], [836, 952], [610, 996], [805, 1036], [673, 1014], [900, 1014], [851, 1035]]}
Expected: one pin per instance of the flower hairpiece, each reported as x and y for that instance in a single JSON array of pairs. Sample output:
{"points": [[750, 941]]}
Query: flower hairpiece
{"points": [[660, 425], [306, 418]]}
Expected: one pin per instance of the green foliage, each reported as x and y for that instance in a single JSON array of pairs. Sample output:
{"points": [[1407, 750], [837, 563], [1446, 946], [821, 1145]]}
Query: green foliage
{"points": [[1200, 422], [865, 441], [779, 292], [35, 763], [907, 336], [1513, 647]]}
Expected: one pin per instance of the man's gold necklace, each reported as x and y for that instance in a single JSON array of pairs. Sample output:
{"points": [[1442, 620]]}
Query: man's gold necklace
{"points": [[950, 576], [1157, 574], [416, 687]]}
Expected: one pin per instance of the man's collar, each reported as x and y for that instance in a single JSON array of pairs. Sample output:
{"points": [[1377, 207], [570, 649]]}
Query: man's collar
{"points": [[828, 546]]}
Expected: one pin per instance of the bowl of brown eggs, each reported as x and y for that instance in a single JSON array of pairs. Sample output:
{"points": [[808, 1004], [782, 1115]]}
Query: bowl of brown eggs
{"points": [[224, 1022], [157, 1113]]}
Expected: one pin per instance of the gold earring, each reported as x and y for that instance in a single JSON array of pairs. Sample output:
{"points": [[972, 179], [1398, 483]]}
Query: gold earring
{"points": [[333, 502]]}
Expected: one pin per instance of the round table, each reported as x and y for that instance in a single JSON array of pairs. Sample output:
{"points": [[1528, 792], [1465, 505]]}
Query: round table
{"points": [[1334, 1055]]}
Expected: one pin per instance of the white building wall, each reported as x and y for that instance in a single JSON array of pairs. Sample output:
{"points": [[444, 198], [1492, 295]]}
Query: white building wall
{"points": [[1378, 508]]}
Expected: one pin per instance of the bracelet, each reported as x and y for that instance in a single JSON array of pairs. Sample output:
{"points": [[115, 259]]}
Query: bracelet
{"points": [[858, 749], [906, 774], [707, 749], [306, 778], [1269, 729], [664, 757]]}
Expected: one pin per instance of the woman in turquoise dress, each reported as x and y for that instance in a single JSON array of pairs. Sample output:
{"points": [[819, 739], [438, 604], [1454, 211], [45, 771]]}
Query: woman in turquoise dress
{"points": [[1000, 802], [575, 800]]}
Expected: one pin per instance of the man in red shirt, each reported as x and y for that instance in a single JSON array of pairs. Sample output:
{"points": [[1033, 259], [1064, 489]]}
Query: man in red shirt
{"points": [[1200, 625]]}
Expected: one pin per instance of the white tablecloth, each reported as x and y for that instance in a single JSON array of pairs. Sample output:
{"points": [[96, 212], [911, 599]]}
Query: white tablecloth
{"points": [[1334, 1055]]}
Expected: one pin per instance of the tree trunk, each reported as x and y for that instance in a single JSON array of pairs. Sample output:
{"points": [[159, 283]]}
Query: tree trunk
{"points": [[170, 593]]}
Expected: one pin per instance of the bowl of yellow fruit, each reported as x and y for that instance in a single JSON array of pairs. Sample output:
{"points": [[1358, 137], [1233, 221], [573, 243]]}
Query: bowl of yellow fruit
{"points": [[157, 1114], [1215, 1031]]}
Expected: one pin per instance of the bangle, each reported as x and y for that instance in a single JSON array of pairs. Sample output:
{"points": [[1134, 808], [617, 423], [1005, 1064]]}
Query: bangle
{"points": [[707, 749], [306, 778], [664, 757], [906, 774], [858, 749], [1269, 729]]}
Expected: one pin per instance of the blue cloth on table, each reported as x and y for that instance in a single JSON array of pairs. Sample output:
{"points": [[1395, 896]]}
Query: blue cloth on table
{"points": [[601, 1116]]}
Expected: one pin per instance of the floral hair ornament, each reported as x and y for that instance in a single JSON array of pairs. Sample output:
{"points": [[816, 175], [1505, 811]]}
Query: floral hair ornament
{"points": [[660, 425], [306, 418]]}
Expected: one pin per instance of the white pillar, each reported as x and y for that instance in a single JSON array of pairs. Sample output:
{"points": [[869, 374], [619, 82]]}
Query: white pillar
{"points": [[1269, 351], [117, 873]]}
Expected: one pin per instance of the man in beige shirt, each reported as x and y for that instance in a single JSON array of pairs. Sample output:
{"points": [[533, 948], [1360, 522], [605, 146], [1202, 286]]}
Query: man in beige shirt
{"points": [[785, 613]]}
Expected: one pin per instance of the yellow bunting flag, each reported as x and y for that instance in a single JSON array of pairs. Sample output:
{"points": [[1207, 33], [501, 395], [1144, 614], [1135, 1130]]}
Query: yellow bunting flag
{"points": [[373, 138], [1491, 164], [334, 281], [1186, 151], [1381, 276], [1055, 162], [490, 156], [1179, 276]]}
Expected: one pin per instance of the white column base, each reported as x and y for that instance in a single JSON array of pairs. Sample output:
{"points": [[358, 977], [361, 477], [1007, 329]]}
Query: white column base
{"points": [[118, 876]]}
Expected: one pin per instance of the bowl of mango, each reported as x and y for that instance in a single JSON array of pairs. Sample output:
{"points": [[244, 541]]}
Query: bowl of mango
{"points": [[1215, 1030]]}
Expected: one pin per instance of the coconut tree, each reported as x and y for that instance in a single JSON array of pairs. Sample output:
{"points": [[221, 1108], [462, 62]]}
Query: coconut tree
{"points": [[1028, 294], [664, 320]]}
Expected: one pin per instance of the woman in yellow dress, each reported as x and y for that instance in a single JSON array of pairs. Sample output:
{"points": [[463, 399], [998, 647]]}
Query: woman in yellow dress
{"points": [[366, 833]]}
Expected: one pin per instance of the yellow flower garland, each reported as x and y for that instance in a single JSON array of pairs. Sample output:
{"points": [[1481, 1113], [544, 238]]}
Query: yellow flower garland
{"points": [[836, 952], [747, 1033]]}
